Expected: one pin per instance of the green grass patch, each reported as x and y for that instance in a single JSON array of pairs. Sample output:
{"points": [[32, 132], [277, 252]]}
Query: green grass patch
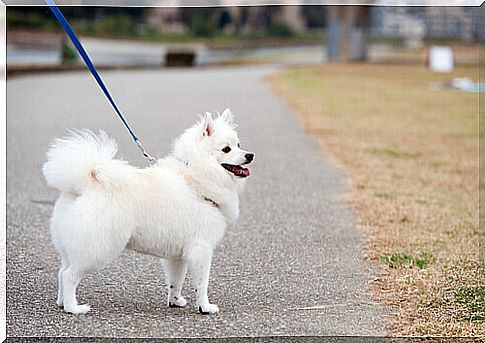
{"points": [[472, 300], [402, 260], [395, 152]]}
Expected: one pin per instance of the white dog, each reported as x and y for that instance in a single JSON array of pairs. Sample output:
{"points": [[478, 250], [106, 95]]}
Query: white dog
{"points": [[177, 209]]}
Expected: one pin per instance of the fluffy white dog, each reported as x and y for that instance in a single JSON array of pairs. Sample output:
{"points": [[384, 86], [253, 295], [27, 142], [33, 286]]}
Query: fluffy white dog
{"points": [[177, 209]]}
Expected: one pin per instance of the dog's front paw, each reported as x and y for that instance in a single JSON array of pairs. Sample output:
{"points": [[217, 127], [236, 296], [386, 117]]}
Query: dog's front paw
{"points": [[78, 309], [177, 302], [208, 309]]}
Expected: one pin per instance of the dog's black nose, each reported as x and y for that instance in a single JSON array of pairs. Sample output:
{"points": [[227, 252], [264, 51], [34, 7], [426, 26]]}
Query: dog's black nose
{"points": [[249, 157]]}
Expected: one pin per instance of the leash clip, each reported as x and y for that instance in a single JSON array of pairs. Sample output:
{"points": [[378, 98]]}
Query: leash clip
{"points": [[149, 157]]}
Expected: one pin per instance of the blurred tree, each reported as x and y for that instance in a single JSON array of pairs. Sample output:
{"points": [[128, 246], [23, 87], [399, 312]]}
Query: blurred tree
{"points": [[315, 16], [224, 19], [188, 14], [41, 17], [200, 26], [347, 33], [281, 30]]}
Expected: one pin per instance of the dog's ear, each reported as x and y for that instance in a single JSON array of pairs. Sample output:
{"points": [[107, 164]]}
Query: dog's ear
{"points": [[207, 124], [227, 116]]}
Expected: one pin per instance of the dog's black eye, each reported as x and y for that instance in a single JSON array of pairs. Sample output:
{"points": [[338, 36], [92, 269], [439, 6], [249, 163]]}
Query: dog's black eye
{"points": [[238, 145], [226, 149]]}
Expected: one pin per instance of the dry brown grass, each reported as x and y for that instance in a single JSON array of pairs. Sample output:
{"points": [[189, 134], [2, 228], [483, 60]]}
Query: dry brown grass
{"points": [[412, 156], [463, 53]]}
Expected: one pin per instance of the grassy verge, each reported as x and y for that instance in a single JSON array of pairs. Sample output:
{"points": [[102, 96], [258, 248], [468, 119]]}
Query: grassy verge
{"points": [[412, 156], [236, 41]]}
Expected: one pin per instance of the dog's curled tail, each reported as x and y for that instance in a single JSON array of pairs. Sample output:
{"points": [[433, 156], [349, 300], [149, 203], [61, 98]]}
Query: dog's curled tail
{"points": [[84, 159]]}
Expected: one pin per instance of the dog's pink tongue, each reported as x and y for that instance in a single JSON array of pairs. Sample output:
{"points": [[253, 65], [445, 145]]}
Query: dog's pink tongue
{"points": [[243, 172]]}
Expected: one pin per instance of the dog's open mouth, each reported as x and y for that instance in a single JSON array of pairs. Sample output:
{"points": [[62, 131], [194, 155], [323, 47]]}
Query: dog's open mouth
{"points": [[236, 170]]}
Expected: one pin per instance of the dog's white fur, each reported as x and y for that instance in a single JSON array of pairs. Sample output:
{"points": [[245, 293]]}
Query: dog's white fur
{"points": [[177, 209]]}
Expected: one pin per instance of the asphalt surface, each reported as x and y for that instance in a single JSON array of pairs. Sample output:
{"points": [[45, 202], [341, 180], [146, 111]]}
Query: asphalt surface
{"points": [[295, 245]]}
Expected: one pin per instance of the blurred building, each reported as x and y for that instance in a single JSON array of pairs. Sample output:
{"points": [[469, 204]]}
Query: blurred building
{"points": [[460, 23], [448, 22], [397, 22]]}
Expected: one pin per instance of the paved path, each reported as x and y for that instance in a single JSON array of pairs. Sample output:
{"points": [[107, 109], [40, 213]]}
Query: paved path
{"points": [[295, 244]]}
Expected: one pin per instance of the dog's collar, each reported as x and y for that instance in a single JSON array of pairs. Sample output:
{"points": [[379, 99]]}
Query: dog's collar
{"points": [[209, 200]]}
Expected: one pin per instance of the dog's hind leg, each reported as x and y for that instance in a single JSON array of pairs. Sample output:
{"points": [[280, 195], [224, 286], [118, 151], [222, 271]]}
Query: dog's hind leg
{"points": [[70, 280], [199, 262], [175, 271], [60, 298]]}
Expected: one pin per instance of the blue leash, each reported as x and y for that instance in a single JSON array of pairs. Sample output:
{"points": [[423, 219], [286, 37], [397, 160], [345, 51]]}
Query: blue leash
{"points": [[70, 32]]}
